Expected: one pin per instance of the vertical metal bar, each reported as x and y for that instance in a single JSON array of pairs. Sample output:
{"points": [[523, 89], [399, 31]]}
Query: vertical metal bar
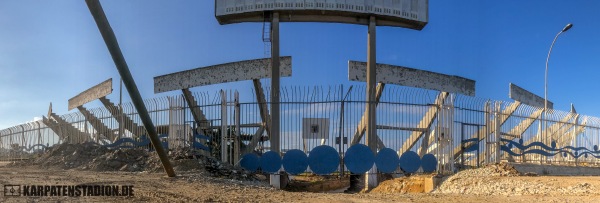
{"points": [[497, 133], [113, 47], [371, 177], [223, 126], [121, 108], [340, 136], [236, 151]]}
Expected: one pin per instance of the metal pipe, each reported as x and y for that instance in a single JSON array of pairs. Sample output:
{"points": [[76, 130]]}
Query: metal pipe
{"points": [[113, 47]]}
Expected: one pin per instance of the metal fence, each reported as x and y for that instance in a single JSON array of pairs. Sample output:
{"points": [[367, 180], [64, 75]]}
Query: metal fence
{"points": [[460, 131]]}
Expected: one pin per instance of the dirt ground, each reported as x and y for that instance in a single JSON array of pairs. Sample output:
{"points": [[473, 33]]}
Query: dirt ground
{"points": [[197, 187]]}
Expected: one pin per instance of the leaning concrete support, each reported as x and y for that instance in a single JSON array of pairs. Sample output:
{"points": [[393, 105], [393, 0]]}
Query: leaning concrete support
{"points": [[565, 137], [262, 106], [426, 122], [255, 139], [551, 130], [264, 116], [101, 129], [115, 51], [483, 132], [427, 140], [128, 124], [362, 126], [518, 130], [65, 130], [197, 113]]}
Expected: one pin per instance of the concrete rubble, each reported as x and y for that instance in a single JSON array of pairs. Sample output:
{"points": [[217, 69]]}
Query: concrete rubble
{"points": [[489, 180], [90, 156]]}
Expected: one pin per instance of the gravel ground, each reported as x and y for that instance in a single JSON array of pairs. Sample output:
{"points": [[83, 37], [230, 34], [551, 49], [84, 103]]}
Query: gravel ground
{"points": [[204, 179]]}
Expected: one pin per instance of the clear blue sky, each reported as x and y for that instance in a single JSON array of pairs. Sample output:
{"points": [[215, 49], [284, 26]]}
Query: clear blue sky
{"points": [[52, 50]]}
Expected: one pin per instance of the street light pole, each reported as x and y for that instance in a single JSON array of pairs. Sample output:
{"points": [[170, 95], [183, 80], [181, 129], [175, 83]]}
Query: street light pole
{"points": [[566, 28]]}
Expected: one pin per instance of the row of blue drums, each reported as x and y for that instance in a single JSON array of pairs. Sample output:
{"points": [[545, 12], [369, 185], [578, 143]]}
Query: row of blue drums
{"points": [[324, 160]]}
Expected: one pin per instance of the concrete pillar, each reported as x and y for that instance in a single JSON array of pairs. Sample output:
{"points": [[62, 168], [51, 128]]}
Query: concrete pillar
{"points": [[275, 179], [275, 78], [371, 132]]}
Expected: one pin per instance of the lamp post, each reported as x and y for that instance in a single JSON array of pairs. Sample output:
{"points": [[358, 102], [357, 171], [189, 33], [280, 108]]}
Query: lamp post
{"points": [[566, 28]]}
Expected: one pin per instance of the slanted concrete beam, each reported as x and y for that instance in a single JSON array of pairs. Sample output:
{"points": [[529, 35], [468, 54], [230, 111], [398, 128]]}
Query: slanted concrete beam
{"points": [[519, 129], [552, 129], [197, 113], [425, 122], [506, 113], [264, 116], [65, 130], [222, 73], [95, 92], [519, 94], [128, 124], [255, 139], [262, 106], [362, 126], [427, 140], [564, 138], [101, 129], [399, 75]]}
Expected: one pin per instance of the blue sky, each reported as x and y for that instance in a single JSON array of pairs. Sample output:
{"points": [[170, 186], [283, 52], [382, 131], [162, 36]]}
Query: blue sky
{"points": [[52, 50]]}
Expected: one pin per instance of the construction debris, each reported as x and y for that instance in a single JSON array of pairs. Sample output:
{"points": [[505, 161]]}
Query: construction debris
{"points": [[90, 156], [489, 180]]}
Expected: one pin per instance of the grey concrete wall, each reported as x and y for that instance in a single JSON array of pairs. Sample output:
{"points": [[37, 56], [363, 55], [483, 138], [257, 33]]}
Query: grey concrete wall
{"points": [[557, 170]]}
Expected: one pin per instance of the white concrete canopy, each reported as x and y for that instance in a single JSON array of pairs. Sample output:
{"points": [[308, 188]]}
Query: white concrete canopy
{"points": [[411, 14]]}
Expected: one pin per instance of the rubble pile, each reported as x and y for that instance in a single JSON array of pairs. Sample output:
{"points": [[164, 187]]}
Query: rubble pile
{"points": [[403, 185], [488, 181], [132, 160], [68, 156], [90, 156]]}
